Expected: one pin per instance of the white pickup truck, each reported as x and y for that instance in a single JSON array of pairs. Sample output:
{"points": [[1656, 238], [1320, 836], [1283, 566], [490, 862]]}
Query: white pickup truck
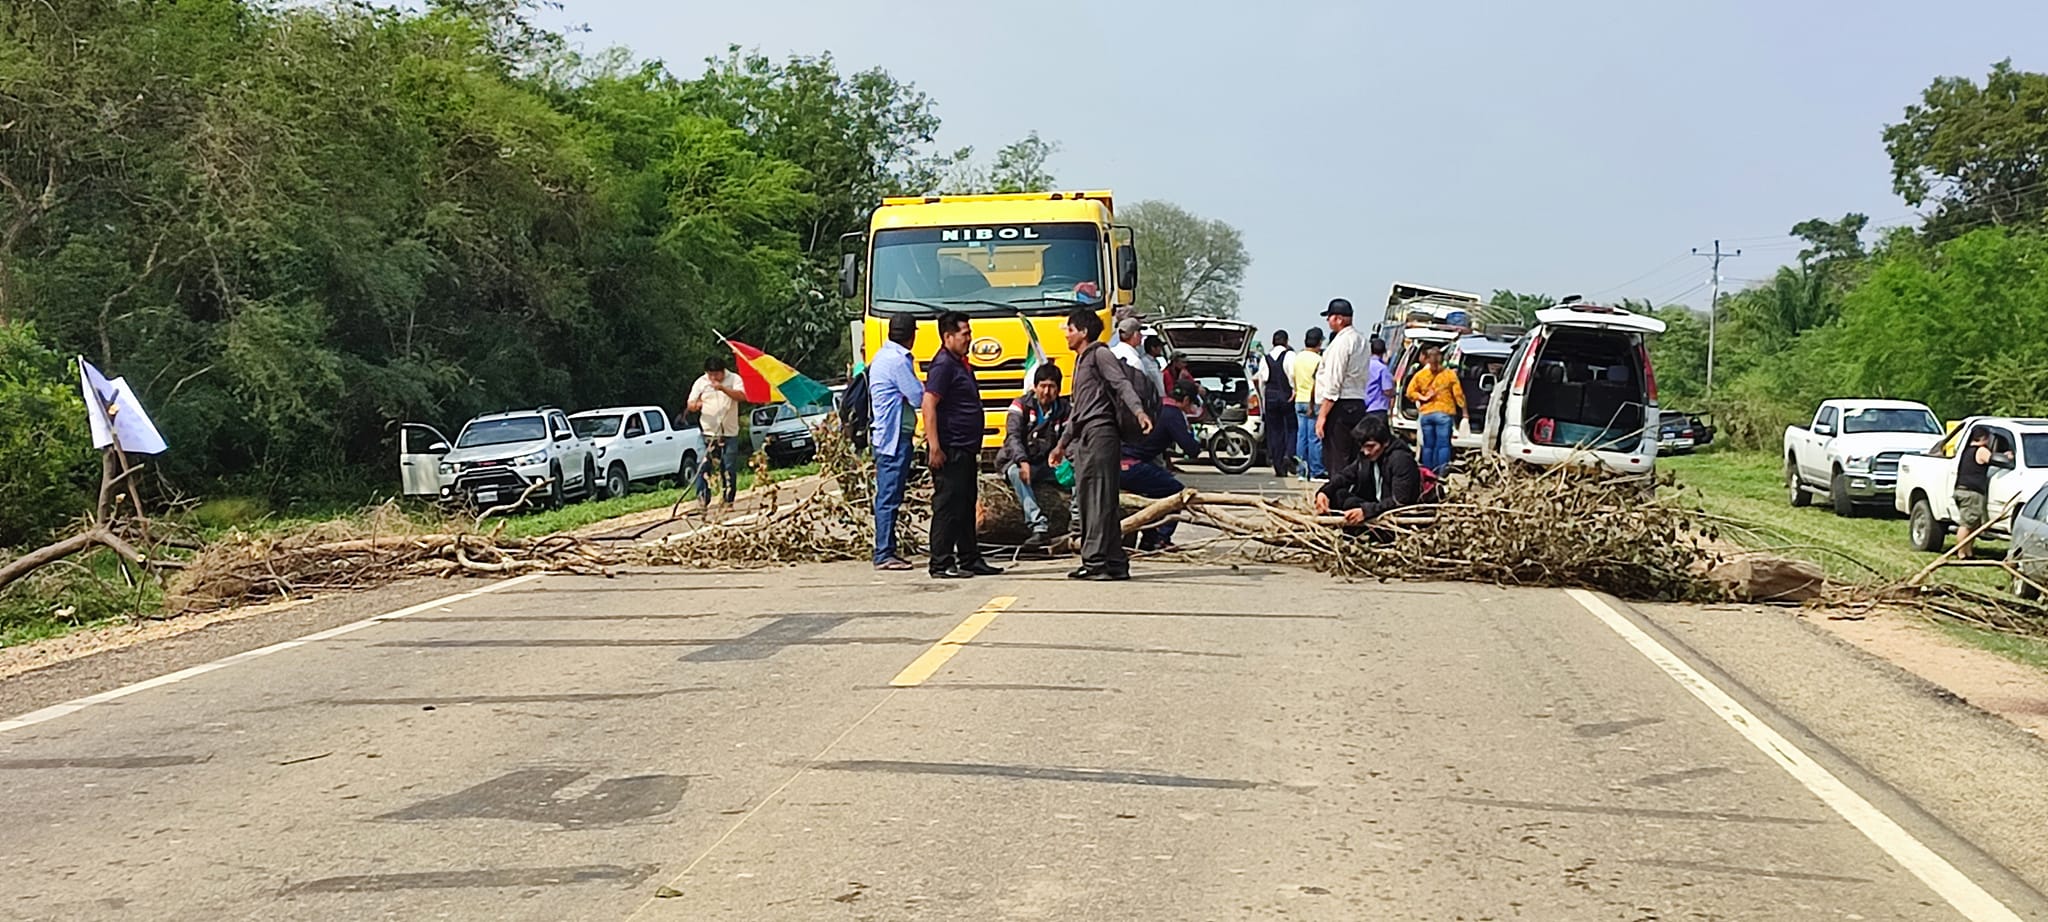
{"points": [[497, 457], [638, 445], [1927, 481], [1850, 453]]}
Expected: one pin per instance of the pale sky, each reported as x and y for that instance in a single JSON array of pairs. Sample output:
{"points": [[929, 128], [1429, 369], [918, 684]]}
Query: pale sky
{"points": [[1558, 146]]}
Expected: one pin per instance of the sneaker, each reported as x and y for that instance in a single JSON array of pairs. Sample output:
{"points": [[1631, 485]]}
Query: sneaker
{"points": [[1039, 535], [1085, 572], [952, 573], [982, 568], [894, 564]]}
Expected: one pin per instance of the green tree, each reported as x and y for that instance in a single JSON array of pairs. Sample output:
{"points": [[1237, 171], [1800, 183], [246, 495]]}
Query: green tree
{"points": [[45, 451], [1978, 153], [1187, 265], [1679, 356]]}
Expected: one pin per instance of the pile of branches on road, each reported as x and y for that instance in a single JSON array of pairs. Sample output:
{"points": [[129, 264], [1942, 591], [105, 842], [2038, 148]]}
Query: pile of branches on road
{"points": [[382, 547], [1566, 526], [829, 519]]}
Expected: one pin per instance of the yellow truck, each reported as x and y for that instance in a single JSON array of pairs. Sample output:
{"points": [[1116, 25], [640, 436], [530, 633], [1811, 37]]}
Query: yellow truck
{"points": [[1015, 263]]}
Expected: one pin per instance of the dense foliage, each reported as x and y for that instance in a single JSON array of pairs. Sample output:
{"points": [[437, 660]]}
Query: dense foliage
{"points": [[291, 225]]}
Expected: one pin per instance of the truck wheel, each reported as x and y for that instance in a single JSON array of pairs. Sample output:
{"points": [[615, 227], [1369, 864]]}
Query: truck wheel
{"points": [[1925, 533], [1838, 493], [615, 482], [1796, 491]]}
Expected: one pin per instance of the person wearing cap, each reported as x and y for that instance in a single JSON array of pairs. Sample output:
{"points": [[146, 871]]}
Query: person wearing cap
{"points": [[1308, 449], [1340, 386], [1129, 348]]}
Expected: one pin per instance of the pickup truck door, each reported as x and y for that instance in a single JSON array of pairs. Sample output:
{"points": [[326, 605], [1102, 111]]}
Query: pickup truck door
{"points": [[571, 450], [664, 450], [1812, 451], [2011, 486], [420, 449]]}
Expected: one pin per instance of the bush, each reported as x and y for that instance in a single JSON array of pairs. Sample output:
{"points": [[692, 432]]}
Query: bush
{"points": [[46, 456]]}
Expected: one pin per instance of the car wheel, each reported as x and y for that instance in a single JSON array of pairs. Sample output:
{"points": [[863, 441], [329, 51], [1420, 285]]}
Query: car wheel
{"points": [[688, 472], [615, 482], [1925, 533], [1796, 491], [2020, 587], [1838, 494], [1232, 450]]}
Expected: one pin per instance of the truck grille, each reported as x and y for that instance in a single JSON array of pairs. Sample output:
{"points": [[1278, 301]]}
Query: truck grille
{"points": [[1886, 463]]}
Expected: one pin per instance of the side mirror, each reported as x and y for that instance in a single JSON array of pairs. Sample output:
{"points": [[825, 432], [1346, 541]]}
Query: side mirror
{"points": [[564, 436], [849, 274], [438, 447], [1823, 429], [1487, 382], [1127, 267]]}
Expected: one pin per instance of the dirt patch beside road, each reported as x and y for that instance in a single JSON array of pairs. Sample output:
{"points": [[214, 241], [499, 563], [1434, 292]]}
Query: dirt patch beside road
{"points": [[2014, 691]]}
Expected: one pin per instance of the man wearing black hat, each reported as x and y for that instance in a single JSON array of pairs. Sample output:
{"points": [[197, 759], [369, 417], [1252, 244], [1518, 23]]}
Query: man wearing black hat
{"points": [[1340, 384]]}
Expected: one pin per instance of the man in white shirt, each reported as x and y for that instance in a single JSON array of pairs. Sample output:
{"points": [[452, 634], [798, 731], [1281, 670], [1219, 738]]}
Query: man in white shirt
{"points": [[1340, 384], [717, 399], [1129, 350]]}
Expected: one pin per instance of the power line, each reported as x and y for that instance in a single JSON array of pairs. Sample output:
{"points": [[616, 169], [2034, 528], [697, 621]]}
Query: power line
{"points": [[1665, 265], [1714, 307]]}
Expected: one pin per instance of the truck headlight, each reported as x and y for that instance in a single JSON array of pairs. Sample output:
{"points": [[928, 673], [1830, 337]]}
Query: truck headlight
{"points": [[1854, 463], [447, 467], [537, 457]]}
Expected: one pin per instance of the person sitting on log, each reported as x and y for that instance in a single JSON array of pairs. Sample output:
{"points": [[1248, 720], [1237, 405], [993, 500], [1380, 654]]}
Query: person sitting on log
{"points": [[1034, 424], [1145, 471], [1381, 478]]}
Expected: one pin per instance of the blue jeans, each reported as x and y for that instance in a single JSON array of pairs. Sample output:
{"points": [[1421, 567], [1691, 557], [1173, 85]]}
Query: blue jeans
{"points": [[1152, 482], [1436, 441], [728, 458], [1027, 500], [1307, 446], [892, 477]]}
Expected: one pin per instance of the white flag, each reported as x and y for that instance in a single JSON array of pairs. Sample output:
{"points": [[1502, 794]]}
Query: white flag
{"points": [[113, 412]]}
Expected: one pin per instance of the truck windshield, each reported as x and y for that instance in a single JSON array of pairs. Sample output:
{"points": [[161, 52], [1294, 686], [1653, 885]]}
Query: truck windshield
{"points": [[502, 432], [596, 427], [2035, 448], [993, 269], [1885, 419]]}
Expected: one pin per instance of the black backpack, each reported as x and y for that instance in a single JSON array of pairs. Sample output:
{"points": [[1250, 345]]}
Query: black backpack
{"points": [[856, 411], [1147, 388]]}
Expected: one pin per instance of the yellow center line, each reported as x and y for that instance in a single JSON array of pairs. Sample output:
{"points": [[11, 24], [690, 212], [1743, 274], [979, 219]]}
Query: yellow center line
{"points": [[925, 665]]}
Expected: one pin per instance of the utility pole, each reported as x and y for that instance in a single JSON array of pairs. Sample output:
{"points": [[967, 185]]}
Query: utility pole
{"points": [[1714, 306]]}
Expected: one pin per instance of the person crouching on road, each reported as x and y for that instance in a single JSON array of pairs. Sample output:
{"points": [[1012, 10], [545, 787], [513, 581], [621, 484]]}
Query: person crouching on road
{"points": [[1101, 391], [1441, 401], [1382, 477], [717, 399], [893, 389], [1145, 471], [952, 430], [1032, 430]]}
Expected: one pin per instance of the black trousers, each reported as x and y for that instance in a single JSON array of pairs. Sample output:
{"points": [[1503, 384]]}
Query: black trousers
{"points": [[1339, 447], [954, 488], [1097, 481], [1280, 422]]}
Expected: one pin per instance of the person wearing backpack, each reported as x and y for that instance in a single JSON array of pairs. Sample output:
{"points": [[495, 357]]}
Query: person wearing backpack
{"points": [[893, 394], [1276, 404], [1107, 412]]}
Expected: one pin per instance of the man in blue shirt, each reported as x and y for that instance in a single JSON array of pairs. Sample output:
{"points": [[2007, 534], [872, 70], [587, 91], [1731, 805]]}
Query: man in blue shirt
{"points": [[892, 387], [952, 432], [1144, 463], [1379, 383]]}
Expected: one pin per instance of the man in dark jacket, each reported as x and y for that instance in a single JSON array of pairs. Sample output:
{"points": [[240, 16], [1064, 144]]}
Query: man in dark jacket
{"points": [[1100, 389], [1145, 471], [1383, 476], [1034, 424]]}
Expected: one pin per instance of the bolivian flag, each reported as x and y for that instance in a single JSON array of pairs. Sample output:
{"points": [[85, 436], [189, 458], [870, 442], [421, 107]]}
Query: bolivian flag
{"points": [[767, 379]]}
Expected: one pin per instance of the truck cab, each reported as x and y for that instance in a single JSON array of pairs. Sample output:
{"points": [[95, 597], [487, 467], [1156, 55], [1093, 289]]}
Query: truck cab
{"points": [[1015, 263]]}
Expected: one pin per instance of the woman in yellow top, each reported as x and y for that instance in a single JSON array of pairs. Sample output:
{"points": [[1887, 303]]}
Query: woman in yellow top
{"points": [[1441, 400]]}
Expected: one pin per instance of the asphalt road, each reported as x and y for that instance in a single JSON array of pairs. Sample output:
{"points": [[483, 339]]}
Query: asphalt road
{"points": [[1200, 743]]}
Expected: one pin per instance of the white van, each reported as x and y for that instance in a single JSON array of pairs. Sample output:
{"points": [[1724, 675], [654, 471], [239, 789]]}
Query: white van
{"points": [[1582, 390]]}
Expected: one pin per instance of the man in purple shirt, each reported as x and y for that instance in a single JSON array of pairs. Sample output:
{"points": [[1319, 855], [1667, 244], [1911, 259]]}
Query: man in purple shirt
{"points": [[952, 429], [1379, 381]]}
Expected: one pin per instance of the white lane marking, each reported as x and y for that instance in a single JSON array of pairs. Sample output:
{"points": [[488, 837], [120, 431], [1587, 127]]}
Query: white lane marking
{"points": [[1952, 885], [79, 704]]}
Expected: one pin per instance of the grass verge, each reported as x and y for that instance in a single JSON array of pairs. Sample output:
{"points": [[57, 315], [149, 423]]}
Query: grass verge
{"points": [[1749, 486]]}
